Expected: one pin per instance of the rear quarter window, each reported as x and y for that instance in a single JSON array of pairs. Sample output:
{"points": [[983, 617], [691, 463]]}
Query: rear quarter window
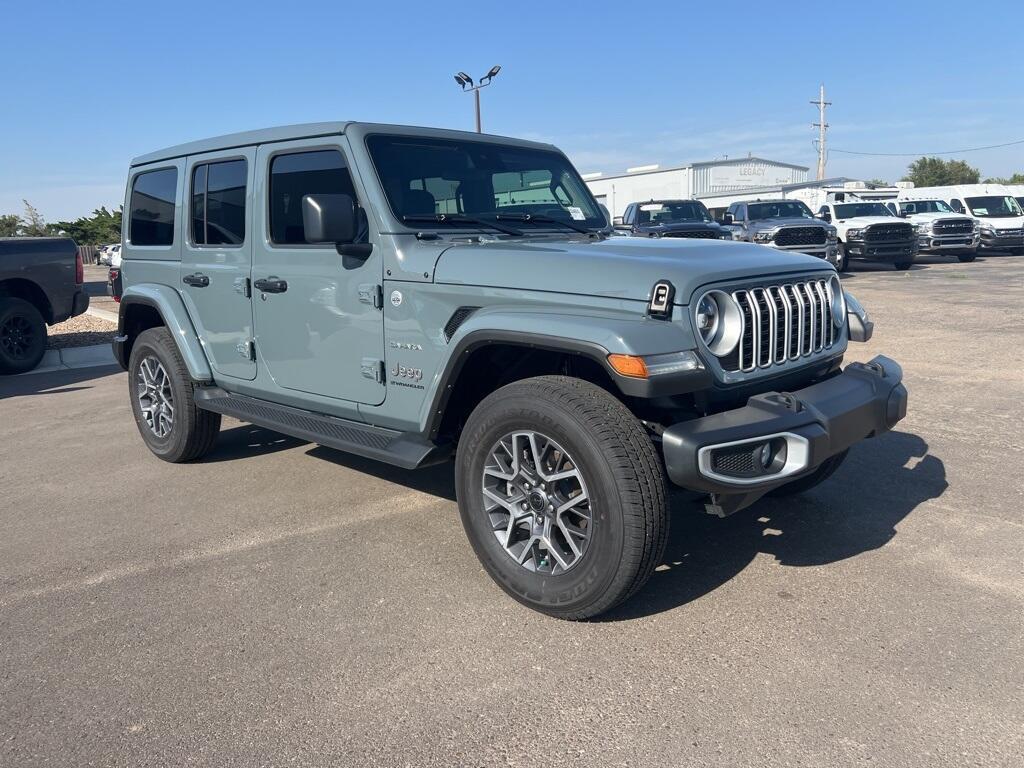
{"points": [[151, 218]]}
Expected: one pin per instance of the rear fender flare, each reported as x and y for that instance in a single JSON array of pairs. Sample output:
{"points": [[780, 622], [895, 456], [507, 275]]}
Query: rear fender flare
{"points": [[171, 309]]}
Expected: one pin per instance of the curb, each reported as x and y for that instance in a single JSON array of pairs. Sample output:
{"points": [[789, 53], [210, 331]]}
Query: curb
{"points": [[74, 357], [102, 314]]}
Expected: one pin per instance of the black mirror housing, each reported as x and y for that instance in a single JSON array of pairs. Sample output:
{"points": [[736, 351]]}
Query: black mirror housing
{"points": [[329, 218]]}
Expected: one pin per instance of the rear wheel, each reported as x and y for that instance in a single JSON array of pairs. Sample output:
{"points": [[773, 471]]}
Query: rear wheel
{"points": [[562, 496], [22, 336], [966, 258], [817, 477], [163, 402]]}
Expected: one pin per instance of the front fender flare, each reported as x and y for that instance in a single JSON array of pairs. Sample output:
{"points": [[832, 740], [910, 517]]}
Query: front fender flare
{"points": [[171, 309], [593, 337]]}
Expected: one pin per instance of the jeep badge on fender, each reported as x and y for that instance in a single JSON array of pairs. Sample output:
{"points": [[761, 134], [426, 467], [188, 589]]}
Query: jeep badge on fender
{"points": [[517, 340]]}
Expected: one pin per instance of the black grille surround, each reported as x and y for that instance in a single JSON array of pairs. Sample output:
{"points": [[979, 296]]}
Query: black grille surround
{"points": [[888, 233], [783, 323], [705, 234], [953, 227], [789, 236]]}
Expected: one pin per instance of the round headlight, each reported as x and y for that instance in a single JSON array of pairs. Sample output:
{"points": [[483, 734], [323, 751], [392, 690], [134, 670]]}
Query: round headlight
{"points": [[718, 322], [837, 301]]}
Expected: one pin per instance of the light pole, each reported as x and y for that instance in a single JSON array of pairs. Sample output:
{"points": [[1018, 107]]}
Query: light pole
{"points": [[466, 82]]}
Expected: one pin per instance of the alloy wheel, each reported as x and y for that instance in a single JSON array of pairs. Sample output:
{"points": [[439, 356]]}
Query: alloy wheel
{"points": [[17, 337], [536, 498], [156, 401]]}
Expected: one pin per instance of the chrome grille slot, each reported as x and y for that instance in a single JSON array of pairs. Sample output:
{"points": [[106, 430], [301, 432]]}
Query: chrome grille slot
{"points": [[782, 323]]}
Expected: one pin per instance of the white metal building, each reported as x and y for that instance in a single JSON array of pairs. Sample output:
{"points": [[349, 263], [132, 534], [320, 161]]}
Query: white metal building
{"points": [[814, 193], [689, 181]]}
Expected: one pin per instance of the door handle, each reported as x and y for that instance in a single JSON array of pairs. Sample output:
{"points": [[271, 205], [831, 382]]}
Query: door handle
{"points": [[196, 280], [271, 285]]}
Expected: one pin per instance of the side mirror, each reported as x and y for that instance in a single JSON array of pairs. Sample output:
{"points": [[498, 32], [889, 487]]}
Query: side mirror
{"points": [[329, 218], [825, 216], [727, 218], [617, 221]]}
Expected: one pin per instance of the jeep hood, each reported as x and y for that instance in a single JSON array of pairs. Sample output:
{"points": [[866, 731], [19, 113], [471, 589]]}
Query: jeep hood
{"points": [[617, 267]]}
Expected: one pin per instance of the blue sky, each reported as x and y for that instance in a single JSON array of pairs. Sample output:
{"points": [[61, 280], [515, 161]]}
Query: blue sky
{"points": [[89, 85]]}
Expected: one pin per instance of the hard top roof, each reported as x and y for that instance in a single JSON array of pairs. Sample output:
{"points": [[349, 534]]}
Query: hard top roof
{"points": [[312, 130]]}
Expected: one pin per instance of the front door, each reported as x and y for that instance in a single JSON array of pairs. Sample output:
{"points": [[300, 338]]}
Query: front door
{"points": [[216, 257], [319, 326]]}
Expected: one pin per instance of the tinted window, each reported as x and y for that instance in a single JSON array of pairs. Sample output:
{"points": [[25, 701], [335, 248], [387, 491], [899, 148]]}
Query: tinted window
{"points": [[218, 203], [780, 209], [853, 210], [299, 174], [152, 208]]}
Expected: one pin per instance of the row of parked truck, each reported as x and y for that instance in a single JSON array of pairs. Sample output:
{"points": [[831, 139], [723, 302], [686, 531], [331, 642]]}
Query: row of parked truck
{"points": [[955, 220]]}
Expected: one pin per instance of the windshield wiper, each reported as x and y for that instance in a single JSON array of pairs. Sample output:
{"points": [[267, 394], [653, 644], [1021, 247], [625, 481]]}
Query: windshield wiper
{"points": [[459, 218], [540, 218]]}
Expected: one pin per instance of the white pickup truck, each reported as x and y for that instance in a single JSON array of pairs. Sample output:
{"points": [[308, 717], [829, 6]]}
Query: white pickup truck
{"points": [[940, 229], [869, 231]]}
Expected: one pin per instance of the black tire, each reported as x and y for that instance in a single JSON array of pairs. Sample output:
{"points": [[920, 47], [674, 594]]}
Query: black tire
{"points": [[902, 265], [817, 477], [625, 484], [193, 431], [966, 258], [22, 336], [842, 260]]}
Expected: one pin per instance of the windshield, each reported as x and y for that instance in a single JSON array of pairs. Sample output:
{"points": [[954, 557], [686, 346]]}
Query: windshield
{"points": [[423, 176], [853, 210], [925, 206], [994, 207], [672, 211], [781, 209]]}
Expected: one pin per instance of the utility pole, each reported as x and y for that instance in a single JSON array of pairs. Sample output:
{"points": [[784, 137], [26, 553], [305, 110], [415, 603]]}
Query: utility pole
{"points": [[822, 127]]}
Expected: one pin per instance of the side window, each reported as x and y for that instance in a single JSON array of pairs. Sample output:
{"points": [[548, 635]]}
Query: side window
{"points": [[304, 173], [151, 218], [218, 203], [741, 212]]}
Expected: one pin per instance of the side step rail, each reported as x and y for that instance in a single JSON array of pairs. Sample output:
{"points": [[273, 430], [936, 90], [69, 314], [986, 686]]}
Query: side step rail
{"points": [[398, 448]]}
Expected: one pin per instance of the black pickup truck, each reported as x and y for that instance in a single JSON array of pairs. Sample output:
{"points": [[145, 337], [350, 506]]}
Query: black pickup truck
{"points": [[671, 218], [40, 284]]}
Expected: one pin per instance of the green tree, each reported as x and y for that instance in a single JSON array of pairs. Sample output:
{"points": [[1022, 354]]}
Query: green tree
{"points": [[33, 224], [1017, 178], [878, 183], [10, 225], [101, 228], [936, 172]]}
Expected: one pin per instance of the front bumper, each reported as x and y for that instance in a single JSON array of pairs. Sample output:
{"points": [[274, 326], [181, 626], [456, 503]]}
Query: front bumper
{"points": [[899, 250], [828, 251], [997, 241], [943, 243], [813, 423]]}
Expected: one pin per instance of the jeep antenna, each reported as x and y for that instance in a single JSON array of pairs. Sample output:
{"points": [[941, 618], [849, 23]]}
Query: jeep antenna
{"points": [[822, 127]]}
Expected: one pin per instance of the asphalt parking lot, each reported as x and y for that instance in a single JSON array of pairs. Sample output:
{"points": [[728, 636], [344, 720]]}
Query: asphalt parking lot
{"points": [[281, 603]]}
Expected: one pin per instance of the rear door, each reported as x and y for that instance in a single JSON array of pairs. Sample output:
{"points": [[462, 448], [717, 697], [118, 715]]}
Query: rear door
{"points": [[216, 258], [320, 329]]}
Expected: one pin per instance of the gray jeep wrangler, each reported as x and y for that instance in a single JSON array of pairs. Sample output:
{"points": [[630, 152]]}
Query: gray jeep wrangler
{"points": [[411, 295]]}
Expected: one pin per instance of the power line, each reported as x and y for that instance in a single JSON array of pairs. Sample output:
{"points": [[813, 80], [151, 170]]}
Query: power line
{"points": [[928, 154]]}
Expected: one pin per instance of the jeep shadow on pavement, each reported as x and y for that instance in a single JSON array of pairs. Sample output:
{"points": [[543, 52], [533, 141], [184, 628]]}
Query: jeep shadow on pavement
{"points": [[413, 295]]}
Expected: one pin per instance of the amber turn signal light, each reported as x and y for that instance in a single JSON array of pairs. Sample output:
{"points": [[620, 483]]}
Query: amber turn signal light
{"points": [[629, 365]]}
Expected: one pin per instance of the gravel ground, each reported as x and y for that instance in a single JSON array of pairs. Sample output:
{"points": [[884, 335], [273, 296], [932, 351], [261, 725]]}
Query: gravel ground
{"points": [[81, 331]]}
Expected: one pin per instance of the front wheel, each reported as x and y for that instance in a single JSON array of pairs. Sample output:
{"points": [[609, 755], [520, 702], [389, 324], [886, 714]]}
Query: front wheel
{"points": [[163, 401], [966, 258], [562, 496], [842, 260], [903, 265]]}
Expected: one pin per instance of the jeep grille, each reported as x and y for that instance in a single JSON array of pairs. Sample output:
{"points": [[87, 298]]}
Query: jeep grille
{"points": [[800, 236], [782, 323]]}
